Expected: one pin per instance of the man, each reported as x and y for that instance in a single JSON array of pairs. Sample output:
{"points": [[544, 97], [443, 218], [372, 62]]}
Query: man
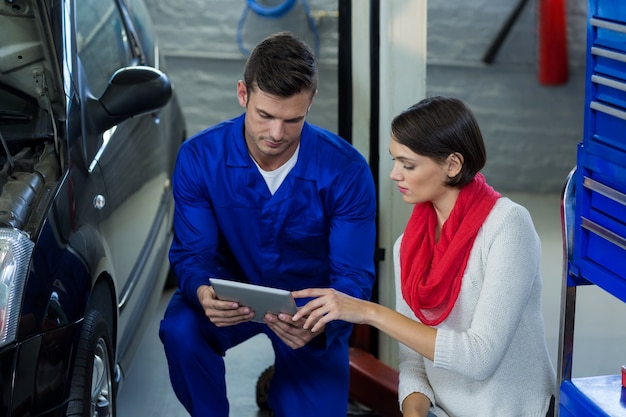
{"points": [[269, 199]]}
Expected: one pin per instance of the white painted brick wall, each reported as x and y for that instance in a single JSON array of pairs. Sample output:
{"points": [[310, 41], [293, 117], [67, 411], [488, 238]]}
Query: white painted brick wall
{"points": [[531, 131]]}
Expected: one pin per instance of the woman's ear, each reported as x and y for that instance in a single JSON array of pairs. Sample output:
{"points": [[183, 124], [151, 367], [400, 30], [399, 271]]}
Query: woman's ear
{"points": [[454, 164]]}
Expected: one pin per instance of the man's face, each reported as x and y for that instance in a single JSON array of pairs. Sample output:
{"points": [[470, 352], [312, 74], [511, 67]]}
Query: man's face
{"points": [[272, 124]]}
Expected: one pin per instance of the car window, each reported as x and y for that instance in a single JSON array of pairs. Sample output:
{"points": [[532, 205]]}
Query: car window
{"points": [[102, 42], [143, 26]]}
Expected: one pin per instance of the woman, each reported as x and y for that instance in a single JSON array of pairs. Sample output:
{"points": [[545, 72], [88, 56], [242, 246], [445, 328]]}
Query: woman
{"points": [[468, 317]]}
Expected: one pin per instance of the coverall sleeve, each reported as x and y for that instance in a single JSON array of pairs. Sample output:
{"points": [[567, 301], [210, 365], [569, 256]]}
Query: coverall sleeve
{"points": [[192, 254], [352, 237], [353, 232]]}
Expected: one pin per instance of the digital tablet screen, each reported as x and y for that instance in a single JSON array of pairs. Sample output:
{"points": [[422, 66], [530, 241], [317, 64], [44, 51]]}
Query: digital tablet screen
{"points": [[259, 298]]}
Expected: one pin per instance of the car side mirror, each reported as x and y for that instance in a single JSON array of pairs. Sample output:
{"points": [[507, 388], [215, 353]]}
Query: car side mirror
{"points": [[131, 91]]}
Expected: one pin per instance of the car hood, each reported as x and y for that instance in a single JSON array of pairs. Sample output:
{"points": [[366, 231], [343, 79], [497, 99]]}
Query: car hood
{"points": [[26, 52], [31, 110]]}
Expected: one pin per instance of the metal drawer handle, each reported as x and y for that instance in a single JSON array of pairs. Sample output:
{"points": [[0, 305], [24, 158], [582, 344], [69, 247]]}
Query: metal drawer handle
{"points": [[607, 25], [608, 82], [612, 111], [605, 190], [608, 54], [604, 233]]}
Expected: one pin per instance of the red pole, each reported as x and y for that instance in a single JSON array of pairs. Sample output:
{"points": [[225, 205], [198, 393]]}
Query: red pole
{"points": [[553, 68]]}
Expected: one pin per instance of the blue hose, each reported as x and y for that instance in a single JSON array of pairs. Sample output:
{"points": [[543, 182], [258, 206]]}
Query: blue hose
{"points": [[313, 27], [271, 11], [275, 12]]}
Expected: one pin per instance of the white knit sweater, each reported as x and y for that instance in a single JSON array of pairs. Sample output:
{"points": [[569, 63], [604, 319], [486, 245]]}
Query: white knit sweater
{"points": [[491, 357]]}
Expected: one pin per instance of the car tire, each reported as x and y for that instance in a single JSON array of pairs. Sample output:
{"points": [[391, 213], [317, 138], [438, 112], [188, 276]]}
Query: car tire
{"points": [[92, 393], [172, 280], [263, 387]]}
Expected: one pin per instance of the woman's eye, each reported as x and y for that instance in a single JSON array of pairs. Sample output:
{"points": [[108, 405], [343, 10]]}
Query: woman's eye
{"points": [[404, 166]]}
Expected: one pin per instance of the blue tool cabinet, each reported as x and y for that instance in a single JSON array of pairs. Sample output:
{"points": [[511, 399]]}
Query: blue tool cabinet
{"points": [[593, 207]]}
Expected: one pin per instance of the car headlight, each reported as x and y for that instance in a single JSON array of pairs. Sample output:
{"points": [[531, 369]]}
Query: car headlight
{"points": [[15, 252]]}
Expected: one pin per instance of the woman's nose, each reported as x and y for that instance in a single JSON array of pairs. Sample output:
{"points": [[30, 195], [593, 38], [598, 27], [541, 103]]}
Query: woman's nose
{"points": [[394, 174]]}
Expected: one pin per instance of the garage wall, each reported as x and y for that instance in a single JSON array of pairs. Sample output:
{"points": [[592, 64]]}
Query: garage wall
{"points": [[531, 130], [204, 54]]}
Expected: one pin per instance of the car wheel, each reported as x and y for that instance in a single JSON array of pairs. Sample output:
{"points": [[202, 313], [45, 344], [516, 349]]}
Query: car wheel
{"points": [[263, 387], [92, 393], [172, 280]]}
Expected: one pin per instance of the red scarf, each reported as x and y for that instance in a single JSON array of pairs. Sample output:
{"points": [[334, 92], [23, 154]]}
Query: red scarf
{"points": [[432, 271]]}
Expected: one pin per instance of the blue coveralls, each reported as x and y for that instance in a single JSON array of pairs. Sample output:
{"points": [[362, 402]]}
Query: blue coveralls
{"points": [[317, 230]]}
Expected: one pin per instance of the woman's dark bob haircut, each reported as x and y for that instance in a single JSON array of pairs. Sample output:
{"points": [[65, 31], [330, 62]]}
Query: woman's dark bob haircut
{"points": [[437, 127]]}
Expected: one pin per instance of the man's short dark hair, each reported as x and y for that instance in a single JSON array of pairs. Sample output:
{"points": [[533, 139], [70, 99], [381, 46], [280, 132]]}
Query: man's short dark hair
{"points": [[281, 65]]}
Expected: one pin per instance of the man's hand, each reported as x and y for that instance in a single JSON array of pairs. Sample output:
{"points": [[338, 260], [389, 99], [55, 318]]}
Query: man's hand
{"points": [[290, 331], [222, 313]]}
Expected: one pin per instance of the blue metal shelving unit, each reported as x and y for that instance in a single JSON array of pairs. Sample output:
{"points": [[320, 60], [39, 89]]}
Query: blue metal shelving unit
{"points": [[594, 207]]}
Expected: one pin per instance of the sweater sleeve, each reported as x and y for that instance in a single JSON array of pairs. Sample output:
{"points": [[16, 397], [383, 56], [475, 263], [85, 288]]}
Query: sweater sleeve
{"points": [[503, 268]]}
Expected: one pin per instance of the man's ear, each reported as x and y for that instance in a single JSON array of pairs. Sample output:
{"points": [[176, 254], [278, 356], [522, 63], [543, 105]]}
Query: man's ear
{"points": [[454, 164], [242, 94], [308, 109]]}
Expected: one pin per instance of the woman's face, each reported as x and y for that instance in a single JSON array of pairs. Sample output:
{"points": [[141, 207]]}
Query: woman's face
{"points": [[419, 178]]}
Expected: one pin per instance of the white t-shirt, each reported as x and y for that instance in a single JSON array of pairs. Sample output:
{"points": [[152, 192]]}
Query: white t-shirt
{"points": [[274, 178]]}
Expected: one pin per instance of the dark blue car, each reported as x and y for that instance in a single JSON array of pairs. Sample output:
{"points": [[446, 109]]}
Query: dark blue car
{"points": [[89, 130]]}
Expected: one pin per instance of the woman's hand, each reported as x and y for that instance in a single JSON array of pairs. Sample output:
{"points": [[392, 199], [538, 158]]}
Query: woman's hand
{"points": [[328, 305], [415, 405]]}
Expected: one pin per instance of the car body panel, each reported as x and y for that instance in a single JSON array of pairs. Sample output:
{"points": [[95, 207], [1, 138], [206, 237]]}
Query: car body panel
{"points": [[95, 201]]}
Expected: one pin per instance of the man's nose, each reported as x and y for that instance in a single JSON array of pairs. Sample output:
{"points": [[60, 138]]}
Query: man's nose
{"points": [[277, 129]]}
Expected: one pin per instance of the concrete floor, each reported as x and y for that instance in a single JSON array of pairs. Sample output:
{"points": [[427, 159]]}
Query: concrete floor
{"points": [[598, 349], [147, 390]]}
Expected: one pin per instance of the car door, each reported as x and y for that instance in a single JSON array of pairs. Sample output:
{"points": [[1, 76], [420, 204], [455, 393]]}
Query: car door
{"points": [[132, 158]]}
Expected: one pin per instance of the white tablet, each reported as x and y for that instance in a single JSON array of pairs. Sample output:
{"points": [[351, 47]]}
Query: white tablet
{"points": [[259, 298]]}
